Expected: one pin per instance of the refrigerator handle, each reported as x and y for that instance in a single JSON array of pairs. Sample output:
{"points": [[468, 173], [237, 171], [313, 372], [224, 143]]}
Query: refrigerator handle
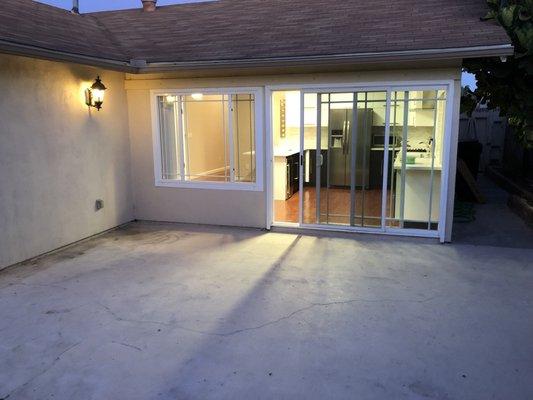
{"points": [[346, 143], [343, 136]]}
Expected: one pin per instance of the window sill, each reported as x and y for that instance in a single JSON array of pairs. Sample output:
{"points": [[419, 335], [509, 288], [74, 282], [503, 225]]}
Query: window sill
{"points": [[250, 187]]}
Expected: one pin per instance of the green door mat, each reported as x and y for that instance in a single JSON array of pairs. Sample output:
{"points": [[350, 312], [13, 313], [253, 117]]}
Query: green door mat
{"points": [[464, 212]]}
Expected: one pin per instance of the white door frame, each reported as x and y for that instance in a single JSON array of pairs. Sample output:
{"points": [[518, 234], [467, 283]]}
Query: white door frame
{"points": [[447, 84]]}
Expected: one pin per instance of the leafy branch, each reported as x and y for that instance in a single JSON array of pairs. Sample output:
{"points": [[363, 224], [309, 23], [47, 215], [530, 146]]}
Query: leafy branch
{"points": [[507, 85]]}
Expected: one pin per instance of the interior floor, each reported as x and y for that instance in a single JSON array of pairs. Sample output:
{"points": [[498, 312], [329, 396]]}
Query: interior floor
{"points": [[336, 203]]}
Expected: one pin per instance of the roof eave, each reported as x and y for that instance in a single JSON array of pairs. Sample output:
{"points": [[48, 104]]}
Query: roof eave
{"points": [[54, 55], [139, 66], [378, 57]]}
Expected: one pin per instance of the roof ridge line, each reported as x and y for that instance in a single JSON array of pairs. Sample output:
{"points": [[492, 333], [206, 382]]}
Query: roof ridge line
{"points": [[112, 39]]}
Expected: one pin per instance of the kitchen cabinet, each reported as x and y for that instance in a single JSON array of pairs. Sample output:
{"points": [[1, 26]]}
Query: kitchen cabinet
{"points": [[286, 175], [293, 175], [312, 169], [418, 193], [377, 156]]}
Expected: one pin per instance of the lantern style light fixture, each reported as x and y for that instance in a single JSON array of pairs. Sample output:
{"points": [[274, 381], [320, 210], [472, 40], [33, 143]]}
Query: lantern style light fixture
{"points": [[94, 96]]}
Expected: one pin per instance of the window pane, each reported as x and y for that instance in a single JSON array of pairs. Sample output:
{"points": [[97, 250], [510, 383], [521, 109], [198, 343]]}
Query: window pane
{"points": [[341, 97], [200, 97], [244, 137], [168, 135], [206, 136], [376, 96], [368, 175]]}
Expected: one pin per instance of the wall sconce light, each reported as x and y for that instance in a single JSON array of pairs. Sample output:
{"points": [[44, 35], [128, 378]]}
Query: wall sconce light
{"points": [[94, 96]]}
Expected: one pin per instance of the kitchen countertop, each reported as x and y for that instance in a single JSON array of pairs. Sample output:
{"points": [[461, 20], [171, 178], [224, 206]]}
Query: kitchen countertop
{"points": [[421, 164], [289, 150], [283, 152]]}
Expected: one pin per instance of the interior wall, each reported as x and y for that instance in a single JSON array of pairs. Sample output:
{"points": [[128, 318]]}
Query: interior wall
{"points": [[206, 138], [57, 156]]}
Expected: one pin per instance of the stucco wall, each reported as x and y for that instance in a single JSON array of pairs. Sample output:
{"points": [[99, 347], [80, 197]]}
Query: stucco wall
{"points": [[222, 207], [57, 157]]}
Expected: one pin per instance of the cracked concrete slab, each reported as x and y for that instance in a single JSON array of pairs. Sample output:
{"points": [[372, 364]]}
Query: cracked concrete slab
{"points": [[160, 311]]}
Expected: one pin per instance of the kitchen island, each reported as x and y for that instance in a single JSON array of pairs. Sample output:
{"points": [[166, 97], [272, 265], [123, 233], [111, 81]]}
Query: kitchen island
{"points": [[419, 190]]}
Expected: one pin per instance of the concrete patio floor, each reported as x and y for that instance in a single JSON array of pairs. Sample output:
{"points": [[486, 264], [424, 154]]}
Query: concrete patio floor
{"points": [[154, 311]]}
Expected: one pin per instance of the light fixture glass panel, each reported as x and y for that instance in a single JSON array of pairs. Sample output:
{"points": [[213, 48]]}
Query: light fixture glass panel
{"points": [[98, 96]]}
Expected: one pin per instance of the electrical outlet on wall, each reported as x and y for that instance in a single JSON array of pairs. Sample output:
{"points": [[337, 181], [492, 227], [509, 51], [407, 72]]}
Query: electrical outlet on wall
{"points": [[98, 205]]}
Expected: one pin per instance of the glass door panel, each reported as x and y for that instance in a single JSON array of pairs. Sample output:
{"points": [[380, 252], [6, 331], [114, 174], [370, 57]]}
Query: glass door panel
{"points": [[371, 115], [340, 186], [312, 157], [285, 124], [417, 127], [339, 109]]}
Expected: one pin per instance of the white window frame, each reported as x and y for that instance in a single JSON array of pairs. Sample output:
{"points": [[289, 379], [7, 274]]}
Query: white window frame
{"points": [[256, 186]]}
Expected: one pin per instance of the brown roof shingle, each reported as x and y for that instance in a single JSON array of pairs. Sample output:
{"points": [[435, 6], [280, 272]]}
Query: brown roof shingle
{"points": [[252, 29], [241, 29], [31, 23]]}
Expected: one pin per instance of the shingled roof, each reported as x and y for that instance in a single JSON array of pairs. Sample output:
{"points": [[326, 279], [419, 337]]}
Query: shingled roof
{"points": [[232, 32], [32, 24]]}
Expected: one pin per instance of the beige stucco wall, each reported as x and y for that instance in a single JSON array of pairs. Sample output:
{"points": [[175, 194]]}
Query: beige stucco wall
{"points": [[57, 157], [239, 208]]}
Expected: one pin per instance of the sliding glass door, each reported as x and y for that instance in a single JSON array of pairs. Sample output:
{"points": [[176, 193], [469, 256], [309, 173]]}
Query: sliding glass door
{"points": [[359, 159]]}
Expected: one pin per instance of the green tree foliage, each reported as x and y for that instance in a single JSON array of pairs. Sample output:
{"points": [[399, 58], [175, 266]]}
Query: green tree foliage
{"points": [[508, 85]]}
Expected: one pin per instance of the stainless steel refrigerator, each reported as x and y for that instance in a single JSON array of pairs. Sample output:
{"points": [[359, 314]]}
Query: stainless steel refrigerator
{"points": [[340, 150]]}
